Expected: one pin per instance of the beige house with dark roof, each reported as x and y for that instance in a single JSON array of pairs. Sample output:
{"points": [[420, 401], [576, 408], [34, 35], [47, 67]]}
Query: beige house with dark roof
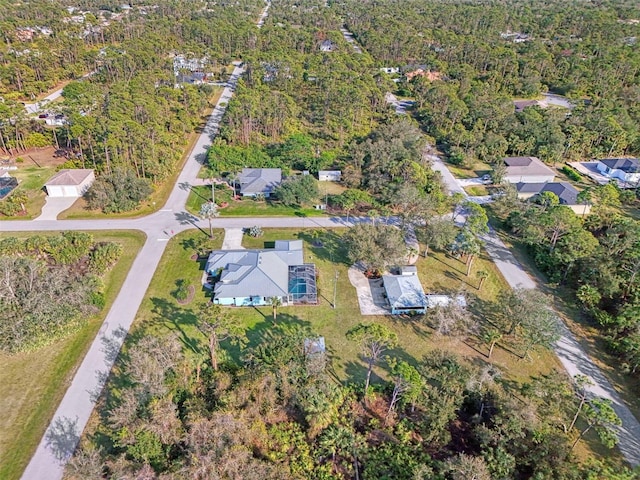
{"points": [[70, 183]]}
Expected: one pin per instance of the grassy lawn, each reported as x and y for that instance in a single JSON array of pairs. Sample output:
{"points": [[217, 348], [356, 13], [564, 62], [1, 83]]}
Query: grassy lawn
{"points": [[477, 190], [438, 273], [158, 198], [243, 208], [476, 170], [161, 314], [32, 384], [31, 180]]}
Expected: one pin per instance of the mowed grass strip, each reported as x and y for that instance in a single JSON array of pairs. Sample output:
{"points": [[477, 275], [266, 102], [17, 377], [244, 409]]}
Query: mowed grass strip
{"points": [[32, 384], [245, 207]]}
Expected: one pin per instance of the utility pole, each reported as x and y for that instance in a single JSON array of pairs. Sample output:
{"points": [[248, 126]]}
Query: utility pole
{"points": [[335, 288]]}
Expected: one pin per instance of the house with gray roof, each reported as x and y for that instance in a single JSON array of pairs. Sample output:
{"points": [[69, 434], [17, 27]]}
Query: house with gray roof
{"points": [[404, 292], [566, 193], [527, 170], [625, 169], [252, 277], [259, 181]]}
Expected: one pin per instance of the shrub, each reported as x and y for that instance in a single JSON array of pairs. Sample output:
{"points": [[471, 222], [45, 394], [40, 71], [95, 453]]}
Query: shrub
{"points": [[11, 246], [104, 256], [181, 293], [255, 231], [69, 247], [37, 140], [119, 191], [571, 173]]}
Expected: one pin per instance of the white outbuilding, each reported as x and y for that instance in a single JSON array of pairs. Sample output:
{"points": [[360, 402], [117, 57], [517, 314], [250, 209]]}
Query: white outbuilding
{"points": [[70, 183]]}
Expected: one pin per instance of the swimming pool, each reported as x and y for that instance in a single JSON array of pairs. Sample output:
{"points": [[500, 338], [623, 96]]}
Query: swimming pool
{"points": [[298, 286]]}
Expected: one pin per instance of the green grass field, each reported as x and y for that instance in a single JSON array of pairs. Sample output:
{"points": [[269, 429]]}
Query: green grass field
{"points": [[32, 384]]}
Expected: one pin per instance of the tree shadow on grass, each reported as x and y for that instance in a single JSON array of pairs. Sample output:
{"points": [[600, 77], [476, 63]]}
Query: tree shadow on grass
{"points": [[332, 245], [182, 321], [264, 331]]}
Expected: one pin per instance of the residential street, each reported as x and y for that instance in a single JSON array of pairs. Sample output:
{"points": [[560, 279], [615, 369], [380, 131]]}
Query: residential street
{"points": [[63, 433], [569, 351]]}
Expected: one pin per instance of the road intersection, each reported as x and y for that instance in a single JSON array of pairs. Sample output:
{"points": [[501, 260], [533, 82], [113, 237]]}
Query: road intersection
{"points": [[63, 433]]}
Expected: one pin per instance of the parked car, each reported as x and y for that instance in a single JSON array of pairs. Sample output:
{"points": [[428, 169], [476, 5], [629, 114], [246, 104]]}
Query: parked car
{"points": [[43, 115], [486, 178]]}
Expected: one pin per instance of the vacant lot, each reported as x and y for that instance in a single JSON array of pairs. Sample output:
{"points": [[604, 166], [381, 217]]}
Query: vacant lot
{"points": [[32, 384]]}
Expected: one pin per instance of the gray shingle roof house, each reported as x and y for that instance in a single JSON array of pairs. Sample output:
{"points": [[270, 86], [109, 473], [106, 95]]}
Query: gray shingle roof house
{"points": [[405, 292], [527, 170], [259, 181], [252, 277], [565, 192]]}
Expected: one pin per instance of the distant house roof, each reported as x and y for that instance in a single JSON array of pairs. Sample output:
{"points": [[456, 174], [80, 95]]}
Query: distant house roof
{"points": [[261, 273], [566, 192], [404, 291], [70, 177], [259, 180], [526, 166], [520, 105], [327, 46], [627, 165]]}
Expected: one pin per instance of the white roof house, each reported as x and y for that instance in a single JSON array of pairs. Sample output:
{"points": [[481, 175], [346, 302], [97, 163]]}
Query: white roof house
{"points": [[252, 277], [527, 170], [70, 183], [625, 169], [405, 292], [259, 181]]}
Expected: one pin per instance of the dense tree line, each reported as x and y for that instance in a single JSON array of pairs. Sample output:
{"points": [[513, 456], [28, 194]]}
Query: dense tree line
{"points": [[281, 414], [127, 115], [50, 286], [583, 51]]}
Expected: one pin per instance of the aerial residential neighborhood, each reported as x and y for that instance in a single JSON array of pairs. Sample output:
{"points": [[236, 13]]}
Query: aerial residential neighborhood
{"points": [[311, 239]]}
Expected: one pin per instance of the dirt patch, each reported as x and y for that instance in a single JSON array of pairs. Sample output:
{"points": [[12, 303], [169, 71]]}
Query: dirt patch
{"points": [[40, 157]]}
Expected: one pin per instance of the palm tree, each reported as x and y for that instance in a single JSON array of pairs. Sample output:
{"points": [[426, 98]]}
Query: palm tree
{"points": [[275, 302], [491, 336], [482, 276], [209, 210]]}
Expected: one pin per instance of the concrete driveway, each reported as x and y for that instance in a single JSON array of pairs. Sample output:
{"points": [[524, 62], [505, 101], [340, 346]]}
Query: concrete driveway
{"points": [[370, 293], [54, 206], [232, 239]]}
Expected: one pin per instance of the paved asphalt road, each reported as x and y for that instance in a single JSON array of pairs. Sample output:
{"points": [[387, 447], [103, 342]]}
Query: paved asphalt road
{"points": [[569, 351], [63, 433]]}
